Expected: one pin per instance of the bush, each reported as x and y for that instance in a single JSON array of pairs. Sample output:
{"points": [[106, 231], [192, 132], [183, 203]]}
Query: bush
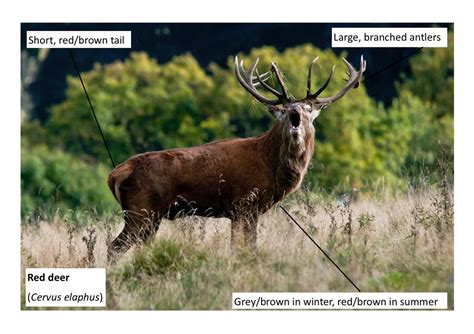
{"points": [[141, 106], [50, 176]]}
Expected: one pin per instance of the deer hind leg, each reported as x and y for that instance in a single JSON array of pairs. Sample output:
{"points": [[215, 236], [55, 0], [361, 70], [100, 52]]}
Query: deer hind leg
{"points": [[138, 229]]}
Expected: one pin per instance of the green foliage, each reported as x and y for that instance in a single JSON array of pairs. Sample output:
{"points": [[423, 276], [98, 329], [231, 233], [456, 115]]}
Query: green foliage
{"points": [[51, 176], [432, 78]]}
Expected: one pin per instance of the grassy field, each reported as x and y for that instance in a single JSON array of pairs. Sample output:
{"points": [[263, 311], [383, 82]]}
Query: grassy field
{"points": [[402, 243]]}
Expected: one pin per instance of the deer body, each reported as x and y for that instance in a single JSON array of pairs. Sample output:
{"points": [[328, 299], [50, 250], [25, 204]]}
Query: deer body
{"points": [[234, 178], [238, 179]]}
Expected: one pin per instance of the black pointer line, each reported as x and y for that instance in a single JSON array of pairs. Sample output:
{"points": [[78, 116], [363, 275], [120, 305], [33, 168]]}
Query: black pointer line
{"points": [[322, 250], [92, 108], [391, 64]]}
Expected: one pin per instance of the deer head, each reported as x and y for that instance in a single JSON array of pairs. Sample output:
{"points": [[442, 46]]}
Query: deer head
{"points": [[295, 115]]}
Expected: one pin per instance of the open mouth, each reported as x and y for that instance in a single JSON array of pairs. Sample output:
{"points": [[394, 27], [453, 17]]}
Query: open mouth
{"points": [[295, 121]]}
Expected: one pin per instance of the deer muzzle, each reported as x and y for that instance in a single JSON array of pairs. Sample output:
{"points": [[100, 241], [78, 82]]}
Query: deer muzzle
{"points": [[295, 120]]}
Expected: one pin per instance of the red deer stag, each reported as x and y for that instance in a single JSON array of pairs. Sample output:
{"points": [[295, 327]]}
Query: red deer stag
{"points": [[239, 179]]}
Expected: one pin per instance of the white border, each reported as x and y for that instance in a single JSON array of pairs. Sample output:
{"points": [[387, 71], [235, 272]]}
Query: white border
{"points": [[235, 11]]}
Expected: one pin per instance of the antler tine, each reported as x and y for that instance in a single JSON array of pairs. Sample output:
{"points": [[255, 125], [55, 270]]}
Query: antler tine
{"points": [[324, 86], [247, 84], [275, 70], [363, 63], [246, 79], [264, 77], [251, 69], [264, 84], [350, 68], [310, 75], [352, 82]]}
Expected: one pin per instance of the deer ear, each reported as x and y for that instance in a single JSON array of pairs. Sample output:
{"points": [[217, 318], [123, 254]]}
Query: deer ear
{"points": [[314, 114], [316, 110], [276, 112]]}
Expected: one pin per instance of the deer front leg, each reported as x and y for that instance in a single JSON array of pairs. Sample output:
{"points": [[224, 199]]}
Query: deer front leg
{"points": [[244, 232]]}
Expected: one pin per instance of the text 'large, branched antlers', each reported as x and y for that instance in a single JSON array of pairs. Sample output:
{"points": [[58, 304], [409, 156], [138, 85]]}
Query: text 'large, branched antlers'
{"points": [[250, 82]]}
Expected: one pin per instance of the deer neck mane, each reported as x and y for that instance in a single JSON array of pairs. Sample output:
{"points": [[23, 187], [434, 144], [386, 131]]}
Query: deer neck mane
{"points": [[288, 158]]}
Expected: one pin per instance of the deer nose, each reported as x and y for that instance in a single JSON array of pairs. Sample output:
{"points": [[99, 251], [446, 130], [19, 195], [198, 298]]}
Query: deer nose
{"points": [[295, 110]]}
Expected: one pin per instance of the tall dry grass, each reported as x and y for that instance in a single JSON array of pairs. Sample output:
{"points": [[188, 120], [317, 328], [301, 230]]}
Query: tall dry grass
{"points": [[394, 244]]}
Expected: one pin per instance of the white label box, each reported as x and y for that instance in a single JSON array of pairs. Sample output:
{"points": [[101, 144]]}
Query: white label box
{"points": [[340, 300], [78, 39], [389, 37], [65, 287]]}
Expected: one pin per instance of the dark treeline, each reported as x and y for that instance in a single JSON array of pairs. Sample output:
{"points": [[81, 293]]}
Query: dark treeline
{"points": [[208, 43]]}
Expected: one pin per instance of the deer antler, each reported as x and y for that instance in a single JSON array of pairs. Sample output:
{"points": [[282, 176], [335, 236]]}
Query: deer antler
{"points": [[246, 79], [352, 82], [250, 82]]}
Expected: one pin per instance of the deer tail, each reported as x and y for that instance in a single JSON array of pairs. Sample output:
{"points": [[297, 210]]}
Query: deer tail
{"points": [[116, 177]]}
